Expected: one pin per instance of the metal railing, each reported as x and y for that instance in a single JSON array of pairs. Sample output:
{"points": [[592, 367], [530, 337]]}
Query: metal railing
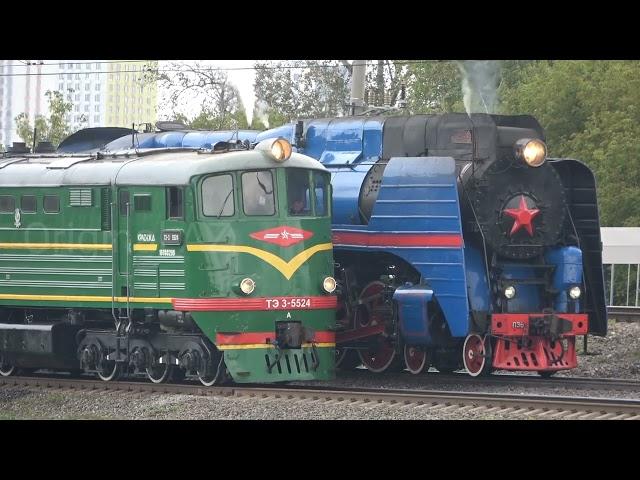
{"points": [[622, 288]]}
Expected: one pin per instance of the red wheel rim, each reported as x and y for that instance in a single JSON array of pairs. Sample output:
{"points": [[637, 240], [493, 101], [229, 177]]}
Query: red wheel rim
{"points": [[415, 359], [370, 299], [473, 353], [378, 358]]}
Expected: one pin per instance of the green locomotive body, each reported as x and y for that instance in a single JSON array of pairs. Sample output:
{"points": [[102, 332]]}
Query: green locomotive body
{"points": [[167, 263]]}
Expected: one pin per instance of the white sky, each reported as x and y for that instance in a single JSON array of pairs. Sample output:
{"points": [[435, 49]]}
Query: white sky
{"points": [[242, 79]]}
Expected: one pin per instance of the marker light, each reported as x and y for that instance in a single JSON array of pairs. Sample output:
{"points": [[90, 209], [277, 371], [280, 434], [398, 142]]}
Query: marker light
{"points": [[575, 292], [279, 148], [247, 286], [510, 292], [532, 151], [329, 284]]}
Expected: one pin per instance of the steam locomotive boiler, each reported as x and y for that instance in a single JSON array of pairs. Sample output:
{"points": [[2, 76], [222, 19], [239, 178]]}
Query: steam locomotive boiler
{"points": [[457, 242]]}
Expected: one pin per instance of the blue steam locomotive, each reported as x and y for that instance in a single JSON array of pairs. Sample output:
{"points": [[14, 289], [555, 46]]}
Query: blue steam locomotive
{"points": [[458, 243]]}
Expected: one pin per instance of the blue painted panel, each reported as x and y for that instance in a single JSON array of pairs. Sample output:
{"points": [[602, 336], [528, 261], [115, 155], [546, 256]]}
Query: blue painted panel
{"points": [[411, 180], [477, 279], [413, 313], [568, 273], [372, 140], [285, 131], [346, 184], [418, 194], [168, 139], [528, 298]]}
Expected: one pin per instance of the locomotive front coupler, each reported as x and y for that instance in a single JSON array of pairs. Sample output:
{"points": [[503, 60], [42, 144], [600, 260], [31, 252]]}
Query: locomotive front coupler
{"points": [[291, 335]]}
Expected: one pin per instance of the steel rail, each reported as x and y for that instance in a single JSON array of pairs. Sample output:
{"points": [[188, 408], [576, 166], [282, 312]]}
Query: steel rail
{"points": [[531, 381], [540, 406]]}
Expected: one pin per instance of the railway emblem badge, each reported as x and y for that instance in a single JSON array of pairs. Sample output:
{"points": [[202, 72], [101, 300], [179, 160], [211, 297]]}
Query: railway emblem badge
{"points": [[17, 217], [283, 236]]}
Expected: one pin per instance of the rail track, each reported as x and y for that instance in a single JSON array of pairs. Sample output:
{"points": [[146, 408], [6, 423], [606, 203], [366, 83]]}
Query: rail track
{"points": [[530, 406], [525, 381], [624, 314]]}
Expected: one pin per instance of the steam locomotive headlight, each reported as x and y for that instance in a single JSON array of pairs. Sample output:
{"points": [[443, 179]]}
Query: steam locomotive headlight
{"points": [[247, 286], [329, 284], [279, 148], [532, 151], [575, 292], [510, 292]]}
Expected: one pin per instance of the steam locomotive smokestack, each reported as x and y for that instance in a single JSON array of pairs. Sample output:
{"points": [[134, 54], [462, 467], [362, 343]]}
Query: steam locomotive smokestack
{"points": [[358, 79]]}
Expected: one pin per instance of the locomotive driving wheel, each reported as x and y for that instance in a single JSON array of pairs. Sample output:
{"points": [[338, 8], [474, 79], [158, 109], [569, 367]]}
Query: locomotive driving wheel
{"points": [[380, 355], [159, 372], [108, 370], [214, 372], [476, 355], [6, 368], [417, 359]]}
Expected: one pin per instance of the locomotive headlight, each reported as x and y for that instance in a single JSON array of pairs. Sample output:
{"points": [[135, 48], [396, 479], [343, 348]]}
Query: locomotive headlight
{"points": [[510, 292], [329, 284], [279, 148], [575, 292], [247, 286], [532, 151]]}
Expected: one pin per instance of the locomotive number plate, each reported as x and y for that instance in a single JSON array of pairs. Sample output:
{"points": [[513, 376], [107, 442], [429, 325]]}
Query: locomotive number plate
{"points": [[172, 237], [287, 303]]}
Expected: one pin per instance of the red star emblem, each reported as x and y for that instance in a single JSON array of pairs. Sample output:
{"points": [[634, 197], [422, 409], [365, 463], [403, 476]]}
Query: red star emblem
{"points": [[523, 216], [283, 236]]}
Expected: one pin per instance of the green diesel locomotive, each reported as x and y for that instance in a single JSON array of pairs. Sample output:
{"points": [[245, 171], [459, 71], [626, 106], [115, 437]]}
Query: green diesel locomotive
{"points": [[168, 263]]}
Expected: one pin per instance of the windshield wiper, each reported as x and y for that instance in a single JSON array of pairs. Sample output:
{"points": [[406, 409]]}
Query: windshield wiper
{"points": [[224, 204]]}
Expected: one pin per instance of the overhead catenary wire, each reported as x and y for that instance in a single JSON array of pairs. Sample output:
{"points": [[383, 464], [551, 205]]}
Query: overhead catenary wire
{"points": [[189, 69]]}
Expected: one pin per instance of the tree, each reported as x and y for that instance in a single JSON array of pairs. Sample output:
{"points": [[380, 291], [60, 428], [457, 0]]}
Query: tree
{"points": [[221, 106], [53, 129], [302, 88], [435, 87], [590, 110]]}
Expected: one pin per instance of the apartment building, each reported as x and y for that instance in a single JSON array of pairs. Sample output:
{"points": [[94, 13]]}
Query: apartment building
{"points": [[130, 99]]}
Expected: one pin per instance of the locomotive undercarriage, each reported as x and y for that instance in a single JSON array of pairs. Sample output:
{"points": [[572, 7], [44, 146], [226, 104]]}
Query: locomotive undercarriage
{"points": [[367, 318], [159, 345], [369, 334]]}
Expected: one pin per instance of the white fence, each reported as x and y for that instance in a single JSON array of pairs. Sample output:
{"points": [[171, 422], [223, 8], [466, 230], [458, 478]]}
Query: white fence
{"points": [[621, 262]]}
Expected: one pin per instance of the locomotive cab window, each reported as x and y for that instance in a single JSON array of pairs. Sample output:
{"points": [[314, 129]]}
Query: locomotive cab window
{"points": [[321, 185], [298, 192], [217, 196], [7, 204], [258, 193], [51, 204]]}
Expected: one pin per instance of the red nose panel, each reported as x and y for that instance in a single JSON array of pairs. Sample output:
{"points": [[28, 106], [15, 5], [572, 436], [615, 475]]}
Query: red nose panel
{"points": [[283, 236]]}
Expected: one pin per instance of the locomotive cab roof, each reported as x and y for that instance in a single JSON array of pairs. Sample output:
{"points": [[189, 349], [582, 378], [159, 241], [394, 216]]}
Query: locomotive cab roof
{"points": [[137, 167]]}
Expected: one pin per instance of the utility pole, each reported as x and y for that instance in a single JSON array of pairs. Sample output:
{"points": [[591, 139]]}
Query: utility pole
{"points": [[380, 83], [358, 79]]}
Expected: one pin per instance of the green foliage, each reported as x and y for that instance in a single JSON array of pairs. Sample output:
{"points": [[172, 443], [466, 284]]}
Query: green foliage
{"points": [[53, 129], [435, 87], [590, 111], [189, 83], [302, 88]]}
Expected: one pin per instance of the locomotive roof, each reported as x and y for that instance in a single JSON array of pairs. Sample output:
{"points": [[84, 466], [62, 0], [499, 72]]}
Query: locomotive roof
{"points": [[149, 167]]}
